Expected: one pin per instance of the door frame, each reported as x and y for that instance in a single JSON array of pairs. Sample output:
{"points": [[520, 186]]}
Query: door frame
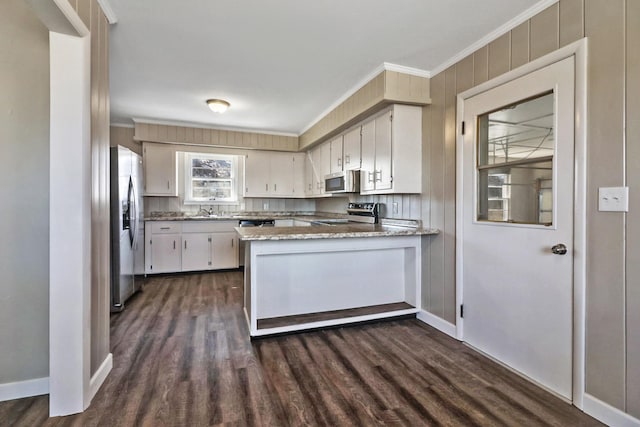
{"points": [[579, 50]]}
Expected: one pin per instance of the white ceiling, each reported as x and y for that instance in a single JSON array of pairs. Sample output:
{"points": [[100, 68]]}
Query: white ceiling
{"points": [[280, 63]]}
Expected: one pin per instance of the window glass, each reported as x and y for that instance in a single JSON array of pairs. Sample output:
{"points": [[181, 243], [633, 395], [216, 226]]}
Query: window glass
{"points": [[210, 178], [515, 162]]}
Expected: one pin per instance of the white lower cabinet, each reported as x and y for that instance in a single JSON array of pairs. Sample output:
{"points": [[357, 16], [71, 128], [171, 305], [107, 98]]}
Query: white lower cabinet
{"points": [[174, 246], [224, 250], [196, 251], [162, 245], [163, 253]]}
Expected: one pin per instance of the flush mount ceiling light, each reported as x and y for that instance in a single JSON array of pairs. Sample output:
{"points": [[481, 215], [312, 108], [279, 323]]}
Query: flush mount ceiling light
{"points": [[218, 105]]}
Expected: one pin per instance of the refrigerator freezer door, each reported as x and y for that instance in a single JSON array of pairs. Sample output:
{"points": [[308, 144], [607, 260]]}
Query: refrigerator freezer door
{"points": [[122, 286]]}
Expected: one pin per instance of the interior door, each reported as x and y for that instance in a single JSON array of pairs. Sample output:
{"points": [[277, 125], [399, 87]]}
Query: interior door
{"points": [[516, 258]]}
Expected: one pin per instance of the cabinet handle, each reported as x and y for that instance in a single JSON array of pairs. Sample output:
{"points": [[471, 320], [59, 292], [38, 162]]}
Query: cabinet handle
{"points": [[378, 172], [168, 187], [174, 245], [165, 228], [266, 187], [232, 242], [339, 162], [275, 187], [369, 176], [309, 187], [185, 244], [347, 159]]}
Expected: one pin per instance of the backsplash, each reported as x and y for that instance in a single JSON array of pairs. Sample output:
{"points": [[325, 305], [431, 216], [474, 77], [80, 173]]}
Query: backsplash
{"points": [[408, 205], [174, 204]]}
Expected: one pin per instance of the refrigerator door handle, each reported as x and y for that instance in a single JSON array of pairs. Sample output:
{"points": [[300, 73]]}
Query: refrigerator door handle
{"points": [[131, 211]]}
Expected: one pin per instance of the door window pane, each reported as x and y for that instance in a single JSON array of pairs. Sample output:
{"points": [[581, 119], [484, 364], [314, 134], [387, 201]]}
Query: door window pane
{"points": [[515, 162], [516, 132]]}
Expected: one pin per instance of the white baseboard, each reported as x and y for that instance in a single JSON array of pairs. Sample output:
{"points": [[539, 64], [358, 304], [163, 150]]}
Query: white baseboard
{"points": [[98, 378], [20, 389], [607, 414], [437, 322]]}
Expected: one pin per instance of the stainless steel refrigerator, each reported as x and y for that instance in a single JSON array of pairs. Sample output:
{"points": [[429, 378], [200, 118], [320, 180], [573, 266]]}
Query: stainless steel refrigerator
{"points": [[127, 226]]}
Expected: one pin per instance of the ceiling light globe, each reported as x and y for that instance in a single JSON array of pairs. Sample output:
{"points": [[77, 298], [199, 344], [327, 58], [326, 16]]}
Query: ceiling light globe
{"points": [[218, 105]]}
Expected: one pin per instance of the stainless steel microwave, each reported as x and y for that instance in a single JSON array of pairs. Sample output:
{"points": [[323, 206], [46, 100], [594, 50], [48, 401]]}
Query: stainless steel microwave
{"points": [[342, 182]]}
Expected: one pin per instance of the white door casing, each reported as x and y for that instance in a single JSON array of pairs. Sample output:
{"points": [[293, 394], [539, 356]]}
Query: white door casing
{"points": [[483, 328]]}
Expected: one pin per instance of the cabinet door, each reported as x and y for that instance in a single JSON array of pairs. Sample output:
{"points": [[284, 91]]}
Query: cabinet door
{"points": [[325, 163], [224, 250], [165, 256], [299, 176], [351, 149], [196, 251], [367, 182], [335, 164], [382, 175], [316, 168], [281, 174], [160, 176], [309, 175], [256, 174]]}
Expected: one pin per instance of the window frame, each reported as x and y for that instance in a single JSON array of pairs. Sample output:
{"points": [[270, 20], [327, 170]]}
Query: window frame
{"points": [[188, 179]]}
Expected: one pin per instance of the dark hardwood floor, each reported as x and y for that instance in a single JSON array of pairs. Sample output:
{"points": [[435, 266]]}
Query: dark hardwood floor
{"points": [[182, 357]]}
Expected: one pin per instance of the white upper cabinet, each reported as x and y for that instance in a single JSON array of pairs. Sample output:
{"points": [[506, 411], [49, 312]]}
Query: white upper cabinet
{"points": [[160, 171], [280, 183], [336, 155], [367, 182], [269, 174], [309, 175], [383, 143], [257, 166], [299, 178], [392, 152], [321, 166], [351, 149]]}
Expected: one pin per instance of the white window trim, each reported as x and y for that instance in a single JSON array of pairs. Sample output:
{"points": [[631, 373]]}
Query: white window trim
{"points": [[188, 200]]}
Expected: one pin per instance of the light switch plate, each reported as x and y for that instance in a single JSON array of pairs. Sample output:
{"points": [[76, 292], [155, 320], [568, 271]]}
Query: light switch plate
{"points": [[613, 199]]}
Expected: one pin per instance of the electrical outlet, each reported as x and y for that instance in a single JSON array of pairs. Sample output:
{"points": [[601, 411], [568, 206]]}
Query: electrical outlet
{"points": [[395, 207], [613, 199]]}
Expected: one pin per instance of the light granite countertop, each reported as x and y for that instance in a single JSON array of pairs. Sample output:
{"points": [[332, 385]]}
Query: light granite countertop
{"points": [[338, 231]]}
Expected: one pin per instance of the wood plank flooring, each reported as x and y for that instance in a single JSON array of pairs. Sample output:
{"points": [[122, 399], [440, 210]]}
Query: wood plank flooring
{"points": [[182, 357]]}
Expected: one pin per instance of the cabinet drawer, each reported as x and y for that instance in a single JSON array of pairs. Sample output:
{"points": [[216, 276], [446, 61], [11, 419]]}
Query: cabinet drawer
{"points": [[208, 226], [166, 227]]}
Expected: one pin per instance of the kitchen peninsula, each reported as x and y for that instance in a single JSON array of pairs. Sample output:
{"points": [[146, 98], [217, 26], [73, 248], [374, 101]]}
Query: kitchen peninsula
{"points": [[300, 278]]}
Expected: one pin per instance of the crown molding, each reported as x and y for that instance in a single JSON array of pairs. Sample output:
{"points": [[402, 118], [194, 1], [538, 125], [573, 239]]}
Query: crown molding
{"points": [[122, 125], [204, 126], [385, 66], [501, 30], [406, 70], [108, 11]]}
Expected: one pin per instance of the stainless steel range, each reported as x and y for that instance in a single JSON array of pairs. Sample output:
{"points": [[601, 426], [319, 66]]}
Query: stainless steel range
{"points": [[364, 212]]}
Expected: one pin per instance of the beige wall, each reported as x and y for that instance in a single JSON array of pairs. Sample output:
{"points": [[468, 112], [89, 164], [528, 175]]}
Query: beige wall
{"points": [[124, 136], [214, 137], [613, 259], [24, 194], [385, 88], [93, 17]]}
